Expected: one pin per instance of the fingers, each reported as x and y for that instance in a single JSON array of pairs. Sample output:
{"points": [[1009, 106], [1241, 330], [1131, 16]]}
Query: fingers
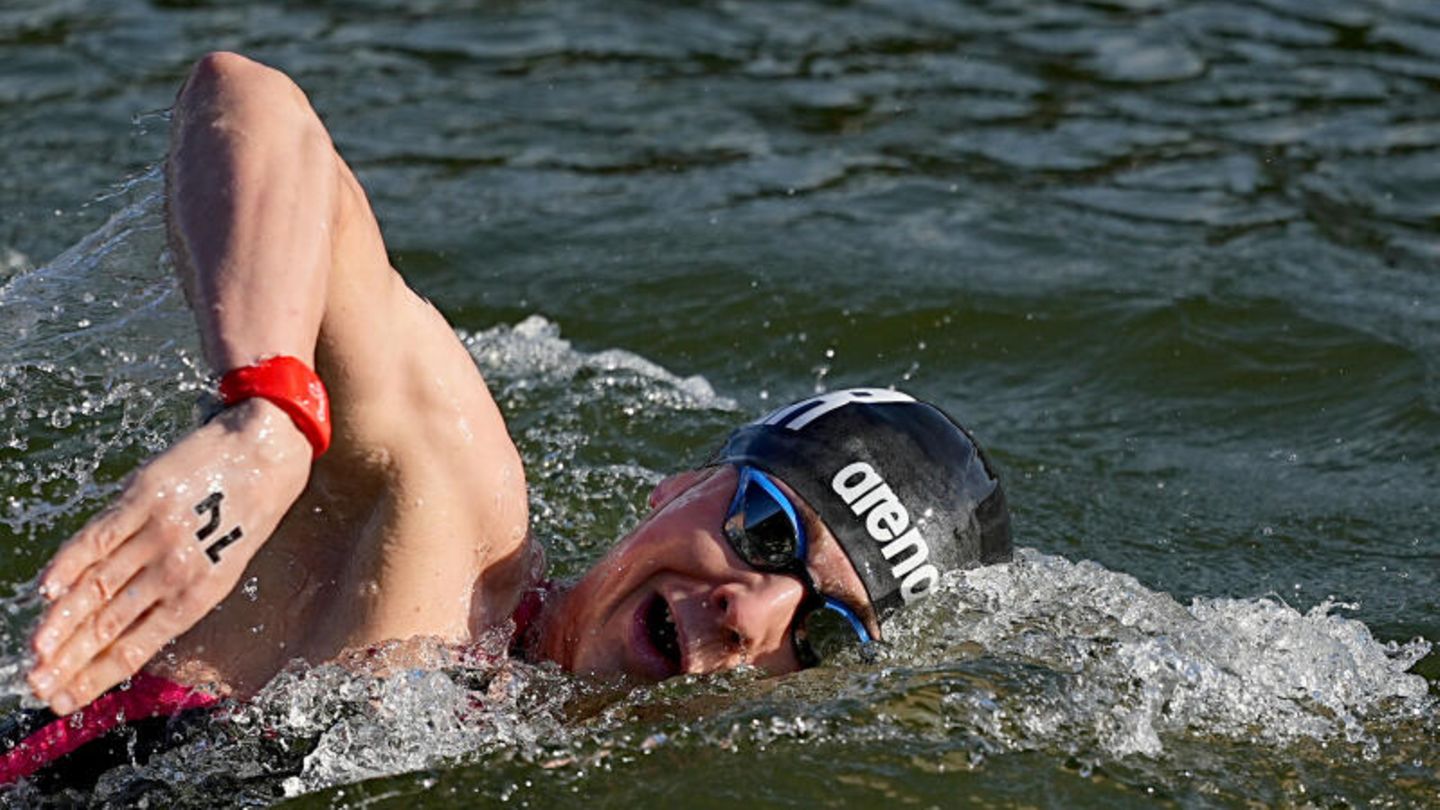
{"points": [[92, 543], [94, 636], [89, 593], [117, 662]]}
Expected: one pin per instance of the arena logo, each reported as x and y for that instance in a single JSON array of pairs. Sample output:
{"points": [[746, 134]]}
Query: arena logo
{"points": [[888, 521], [806, 411]]}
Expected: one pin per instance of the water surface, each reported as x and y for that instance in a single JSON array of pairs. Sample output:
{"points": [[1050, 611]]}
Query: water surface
{"points": [[1175, 262]]}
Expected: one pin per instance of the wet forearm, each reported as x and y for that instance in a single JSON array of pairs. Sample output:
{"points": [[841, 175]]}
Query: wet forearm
{"points": [[251, 184]]}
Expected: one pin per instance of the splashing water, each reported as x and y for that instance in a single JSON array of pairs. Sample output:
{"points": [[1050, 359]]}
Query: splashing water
{"points": [[1041, 656], [1135, 664], [99, 368], [99, 372]]}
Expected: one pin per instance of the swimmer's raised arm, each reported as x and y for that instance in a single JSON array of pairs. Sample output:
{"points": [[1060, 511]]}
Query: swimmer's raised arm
{"points": [[251, 190], [279, 254], [251, 194]]}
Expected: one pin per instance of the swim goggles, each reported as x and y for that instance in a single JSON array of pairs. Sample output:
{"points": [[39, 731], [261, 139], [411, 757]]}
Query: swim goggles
{"points": [[763, 527]]}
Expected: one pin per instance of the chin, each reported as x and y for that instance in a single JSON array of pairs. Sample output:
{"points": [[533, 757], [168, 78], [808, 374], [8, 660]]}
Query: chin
{"points": [[584, 639]]}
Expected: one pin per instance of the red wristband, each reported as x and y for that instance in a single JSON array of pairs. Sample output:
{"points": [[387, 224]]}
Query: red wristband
{"points": [[291, 385]]}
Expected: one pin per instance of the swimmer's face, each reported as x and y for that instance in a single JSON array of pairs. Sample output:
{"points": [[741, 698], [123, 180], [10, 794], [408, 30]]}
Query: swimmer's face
{"points": [[673, 597]]}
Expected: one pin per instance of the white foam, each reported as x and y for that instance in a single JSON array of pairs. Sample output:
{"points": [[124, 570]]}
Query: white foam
{"points": [[1138, 664], [533, 351]]}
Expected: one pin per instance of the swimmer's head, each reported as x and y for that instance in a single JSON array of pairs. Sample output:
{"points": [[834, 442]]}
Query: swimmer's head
{"points": [[905, 490], [887, 492]]}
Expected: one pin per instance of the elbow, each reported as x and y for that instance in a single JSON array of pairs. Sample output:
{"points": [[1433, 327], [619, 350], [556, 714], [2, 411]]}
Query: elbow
{"points": [[236, 94], [220, 73], [218, 67], [237, 86]]}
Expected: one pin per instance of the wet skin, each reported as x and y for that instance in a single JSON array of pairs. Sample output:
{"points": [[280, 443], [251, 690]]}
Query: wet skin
{"points": [[414, 525], [725, 613]]}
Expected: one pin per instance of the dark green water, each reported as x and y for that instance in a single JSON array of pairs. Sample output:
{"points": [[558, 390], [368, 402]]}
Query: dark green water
{"points": [[1176, 262]]}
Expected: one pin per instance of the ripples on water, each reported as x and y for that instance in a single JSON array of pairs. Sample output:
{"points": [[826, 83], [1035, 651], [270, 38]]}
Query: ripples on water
{"points": [[1175, 261]]}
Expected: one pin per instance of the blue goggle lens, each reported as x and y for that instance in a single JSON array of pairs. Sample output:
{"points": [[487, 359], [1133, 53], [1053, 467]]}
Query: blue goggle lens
{"points": [[765, 531]]}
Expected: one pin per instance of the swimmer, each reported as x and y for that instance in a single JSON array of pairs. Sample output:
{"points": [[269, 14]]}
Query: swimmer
{"points": [[362, 477]]}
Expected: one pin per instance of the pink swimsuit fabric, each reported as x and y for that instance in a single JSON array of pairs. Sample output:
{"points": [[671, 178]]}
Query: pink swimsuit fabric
{"points": [[148, 696]]}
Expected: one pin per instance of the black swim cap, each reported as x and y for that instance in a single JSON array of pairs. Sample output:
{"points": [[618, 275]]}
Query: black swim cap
{"points": [[905, 489]]}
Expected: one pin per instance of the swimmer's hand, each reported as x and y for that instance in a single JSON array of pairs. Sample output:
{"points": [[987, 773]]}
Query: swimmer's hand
{"points": [[169, 549]]}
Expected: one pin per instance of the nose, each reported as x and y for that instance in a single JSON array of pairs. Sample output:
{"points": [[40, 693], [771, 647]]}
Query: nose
{"points": [[754, 618]]}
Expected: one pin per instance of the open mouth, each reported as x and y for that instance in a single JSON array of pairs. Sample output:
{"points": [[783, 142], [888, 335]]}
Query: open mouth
{"points": [[660, 625]]}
